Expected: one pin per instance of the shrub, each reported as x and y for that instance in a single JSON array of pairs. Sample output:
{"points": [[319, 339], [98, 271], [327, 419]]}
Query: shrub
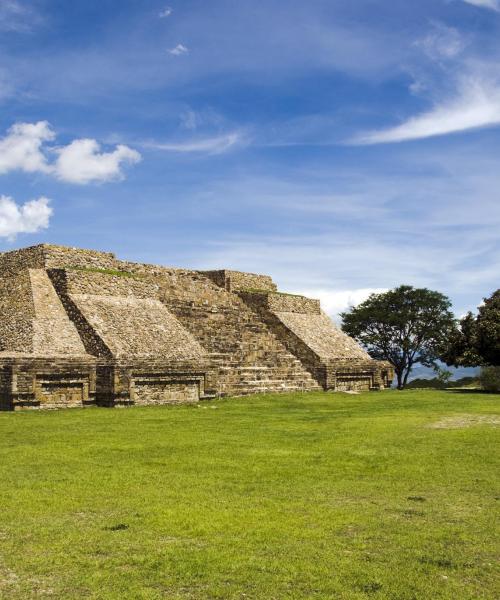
{"points": [[438, 384], [490, 379]]}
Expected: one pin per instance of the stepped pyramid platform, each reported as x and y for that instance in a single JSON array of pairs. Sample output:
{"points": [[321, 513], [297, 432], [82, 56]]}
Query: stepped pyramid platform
{"points": [[80, 327]]}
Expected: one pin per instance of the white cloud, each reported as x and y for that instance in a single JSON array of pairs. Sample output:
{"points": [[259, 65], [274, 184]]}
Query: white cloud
{"points": [[212, 145], [442, 42], [476, 105], [81, 162], [24, 148], [493, 4], [179, 50], [190, 119], [21, 148], [335, 302], [27, 218], [166, 12]]}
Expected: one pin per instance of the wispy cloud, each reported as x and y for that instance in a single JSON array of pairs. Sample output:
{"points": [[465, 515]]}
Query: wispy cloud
{"points": [[211, 145], [308, 227], [29, 217], [492, 4], [124, 57], [442, 42], [190, 119], [17, 17], [477, 104], [166, 12], [179, 50], [25, 148]]}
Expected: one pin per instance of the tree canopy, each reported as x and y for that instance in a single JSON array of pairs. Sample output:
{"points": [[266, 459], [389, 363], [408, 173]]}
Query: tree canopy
{"points": [[404, 326], [477, 340]]}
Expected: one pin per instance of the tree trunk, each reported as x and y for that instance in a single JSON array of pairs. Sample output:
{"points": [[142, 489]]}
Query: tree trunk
{"points": [[399, 376], [405, 378]]}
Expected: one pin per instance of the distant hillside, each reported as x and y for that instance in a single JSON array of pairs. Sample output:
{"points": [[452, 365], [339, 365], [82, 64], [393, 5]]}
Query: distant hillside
{"points": [[421, 372]]}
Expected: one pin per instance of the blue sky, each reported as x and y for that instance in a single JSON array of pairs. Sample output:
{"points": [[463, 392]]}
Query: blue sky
{"points": [[341, 147]]}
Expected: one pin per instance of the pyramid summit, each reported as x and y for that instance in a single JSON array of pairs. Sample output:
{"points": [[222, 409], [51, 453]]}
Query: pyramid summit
{"points": [[81, 327]]}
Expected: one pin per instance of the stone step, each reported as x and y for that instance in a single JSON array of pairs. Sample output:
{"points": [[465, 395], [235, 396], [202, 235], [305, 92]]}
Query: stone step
{"points": [[246, 353]]}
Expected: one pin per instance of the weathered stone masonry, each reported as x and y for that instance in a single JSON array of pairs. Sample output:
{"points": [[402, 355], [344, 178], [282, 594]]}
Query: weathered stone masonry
{"points": [[79, 327]]}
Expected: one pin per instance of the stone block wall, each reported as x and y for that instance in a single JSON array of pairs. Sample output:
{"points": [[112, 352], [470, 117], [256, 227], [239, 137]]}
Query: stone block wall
{"points": [[126, 316], [152, 381], [293, 304], [5, 386], [63, 257], [16, 312], [54, 334], [46, 383], [233, 281], [107, 283], [16, 261], [280, 302]]}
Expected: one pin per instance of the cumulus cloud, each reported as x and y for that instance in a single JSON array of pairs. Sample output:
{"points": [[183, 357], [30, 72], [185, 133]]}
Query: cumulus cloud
{"points": [[335, 302], [25, 148], [21, 148], [477, 104], [26, 218], [492, 4], [179, 50], [166, 12], [211, 145], [82, 162]]}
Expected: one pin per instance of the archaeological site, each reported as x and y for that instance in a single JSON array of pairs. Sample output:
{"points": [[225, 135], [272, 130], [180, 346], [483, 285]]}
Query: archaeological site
{"points": [[79, 327]]}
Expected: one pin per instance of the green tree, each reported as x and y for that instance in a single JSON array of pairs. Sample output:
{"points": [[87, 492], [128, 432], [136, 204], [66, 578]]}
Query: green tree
{"points": [[404, 326], [442, 375], [490, 379], [477, 340]]}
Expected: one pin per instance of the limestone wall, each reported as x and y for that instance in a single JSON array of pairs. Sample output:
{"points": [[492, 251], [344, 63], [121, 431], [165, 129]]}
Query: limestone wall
{"points": [[16, 311], [152, 380], [279, 302], [53, 332], [131, 326], [122, 284], [5, 387], [320, 334], [293, 304], [45, 256], [238, 280], [121, 316], [63, 257], [39, 382], [15, 261], [191, 288]]}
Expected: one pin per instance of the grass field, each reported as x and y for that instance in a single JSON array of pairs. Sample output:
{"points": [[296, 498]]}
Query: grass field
{"points": [[384, 495]]}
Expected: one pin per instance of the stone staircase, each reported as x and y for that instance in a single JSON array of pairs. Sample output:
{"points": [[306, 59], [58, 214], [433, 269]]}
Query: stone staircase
{"points": [[249, 357]]}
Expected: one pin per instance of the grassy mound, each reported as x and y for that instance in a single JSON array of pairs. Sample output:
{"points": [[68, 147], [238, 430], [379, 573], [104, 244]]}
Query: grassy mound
{"points": [[382, 495]]}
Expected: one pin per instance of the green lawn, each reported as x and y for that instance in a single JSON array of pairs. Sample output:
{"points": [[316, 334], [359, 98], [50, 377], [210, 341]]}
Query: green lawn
{"points": [[387, 495]]}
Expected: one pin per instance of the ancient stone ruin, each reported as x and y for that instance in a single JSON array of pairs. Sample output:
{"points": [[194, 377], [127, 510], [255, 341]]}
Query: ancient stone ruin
{"points": [[79, 327]]}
